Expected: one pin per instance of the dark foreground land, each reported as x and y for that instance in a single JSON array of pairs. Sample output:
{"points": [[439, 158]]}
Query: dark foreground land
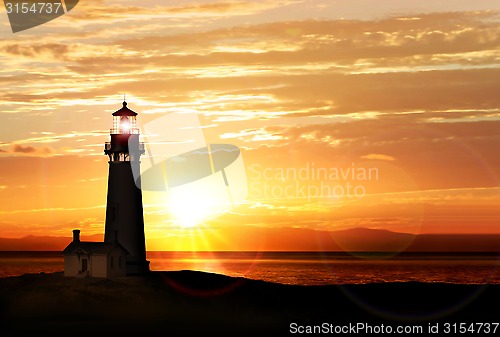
{"points": [[203, 304]]}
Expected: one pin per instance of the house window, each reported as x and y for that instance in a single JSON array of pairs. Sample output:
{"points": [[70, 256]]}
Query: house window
{"points": [[84, 265], [112, 262], [120, 262]]}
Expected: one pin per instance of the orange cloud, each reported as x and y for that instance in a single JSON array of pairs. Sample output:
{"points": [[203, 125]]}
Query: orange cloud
{"points": [[29, 150], [55, 50], [23, 149], [378, 156]]}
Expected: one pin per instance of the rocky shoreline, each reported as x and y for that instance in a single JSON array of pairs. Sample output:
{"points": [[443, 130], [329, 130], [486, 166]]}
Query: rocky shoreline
{"points": [[190, 303]]}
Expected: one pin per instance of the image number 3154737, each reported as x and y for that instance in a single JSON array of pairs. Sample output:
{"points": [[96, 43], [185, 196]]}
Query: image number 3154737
{"points": [[26, 14]]}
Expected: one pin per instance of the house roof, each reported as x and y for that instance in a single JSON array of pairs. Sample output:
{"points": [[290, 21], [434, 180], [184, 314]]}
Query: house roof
{"points": [[124, 111], [92, 247]]}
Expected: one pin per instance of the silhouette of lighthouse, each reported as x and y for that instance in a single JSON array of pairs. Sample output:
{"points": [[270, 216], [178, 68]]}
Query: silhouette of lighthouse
{"points": [[124, 211]]}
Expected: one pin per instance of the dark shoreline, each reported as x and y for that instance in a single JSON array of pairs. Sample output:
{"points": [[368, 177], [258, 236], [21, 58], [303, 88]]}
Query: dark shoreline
{"points": [[198, 304]]}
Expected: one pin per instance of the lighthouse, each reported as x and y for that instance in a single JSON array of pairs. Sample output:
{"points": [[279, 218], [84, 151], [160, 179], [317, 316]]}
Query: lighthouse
{"points": [[124, 212]]}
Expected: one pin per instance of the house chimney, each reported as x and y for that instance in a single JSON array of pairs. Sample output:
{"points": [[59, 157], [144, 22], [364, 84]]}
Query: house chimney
{"points": [[76, 235]]}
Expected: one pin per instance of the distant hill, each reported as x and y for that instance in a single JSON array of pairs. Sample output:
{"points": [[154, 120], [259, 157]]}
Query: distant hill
{"points": [[456, 242], [364, 239], [352, 240], [250, 238], [40, 243]]}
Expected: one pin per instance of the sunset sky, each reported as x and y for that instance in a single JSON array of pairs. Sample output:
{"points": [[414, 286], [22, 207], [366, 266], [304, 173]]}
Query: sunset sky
{"points": [[408, 91]]}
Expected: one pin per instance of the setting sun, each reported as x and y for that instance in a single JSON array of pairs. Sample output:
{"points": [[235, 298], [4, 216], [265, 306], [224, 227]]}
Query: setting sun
{"points": [[198, 201]]}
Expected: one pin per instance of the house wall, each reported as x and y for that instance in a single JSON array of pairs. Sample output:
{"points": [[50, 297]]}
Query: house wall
{"points": [[117, 269], [71, 265], [98, 266], [89, 267]]}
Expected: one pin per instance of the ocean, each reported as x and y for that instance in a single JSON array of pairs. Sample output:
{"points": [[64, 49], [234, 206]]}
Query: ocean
{"points": [[300, 268]]}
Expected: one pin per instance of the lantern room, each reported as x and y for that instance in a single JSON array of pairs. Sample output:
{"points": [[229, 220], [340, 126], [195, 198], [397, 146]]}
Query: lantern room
{"points": [[124, 121], [124, 144]]}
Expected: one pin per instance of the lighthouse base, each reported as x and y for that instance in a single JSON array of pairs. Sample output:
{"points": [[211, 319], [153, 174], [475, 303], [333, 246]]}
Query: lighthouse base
{"points": [[137, 267]]}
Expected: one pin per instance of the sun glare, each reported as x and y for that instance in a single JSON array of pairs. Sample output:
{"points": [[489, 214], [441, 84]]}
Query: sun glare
{"points": [[199, 201], [188, 212]]}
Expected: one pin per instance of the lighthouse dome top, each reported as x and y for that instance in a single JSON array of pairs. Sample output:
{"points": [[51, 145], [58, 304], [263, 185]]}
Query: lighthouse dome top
{"points": [[124, 111]]}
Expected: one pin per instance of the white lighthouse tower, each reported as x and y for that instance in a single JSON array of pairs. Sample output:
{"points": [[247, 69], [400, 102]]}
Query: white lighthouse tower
{"points": [[124, 211]]}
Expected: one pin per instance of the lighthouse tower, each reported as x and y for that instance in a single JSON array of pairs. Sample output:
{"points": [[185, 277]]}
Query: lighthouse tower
{"points": [[124, 212]]}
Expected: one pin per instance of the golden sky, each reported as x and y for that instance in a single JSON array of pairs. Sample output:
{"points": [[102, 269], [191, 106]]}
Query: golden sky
{"points": [[406, 89]]}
